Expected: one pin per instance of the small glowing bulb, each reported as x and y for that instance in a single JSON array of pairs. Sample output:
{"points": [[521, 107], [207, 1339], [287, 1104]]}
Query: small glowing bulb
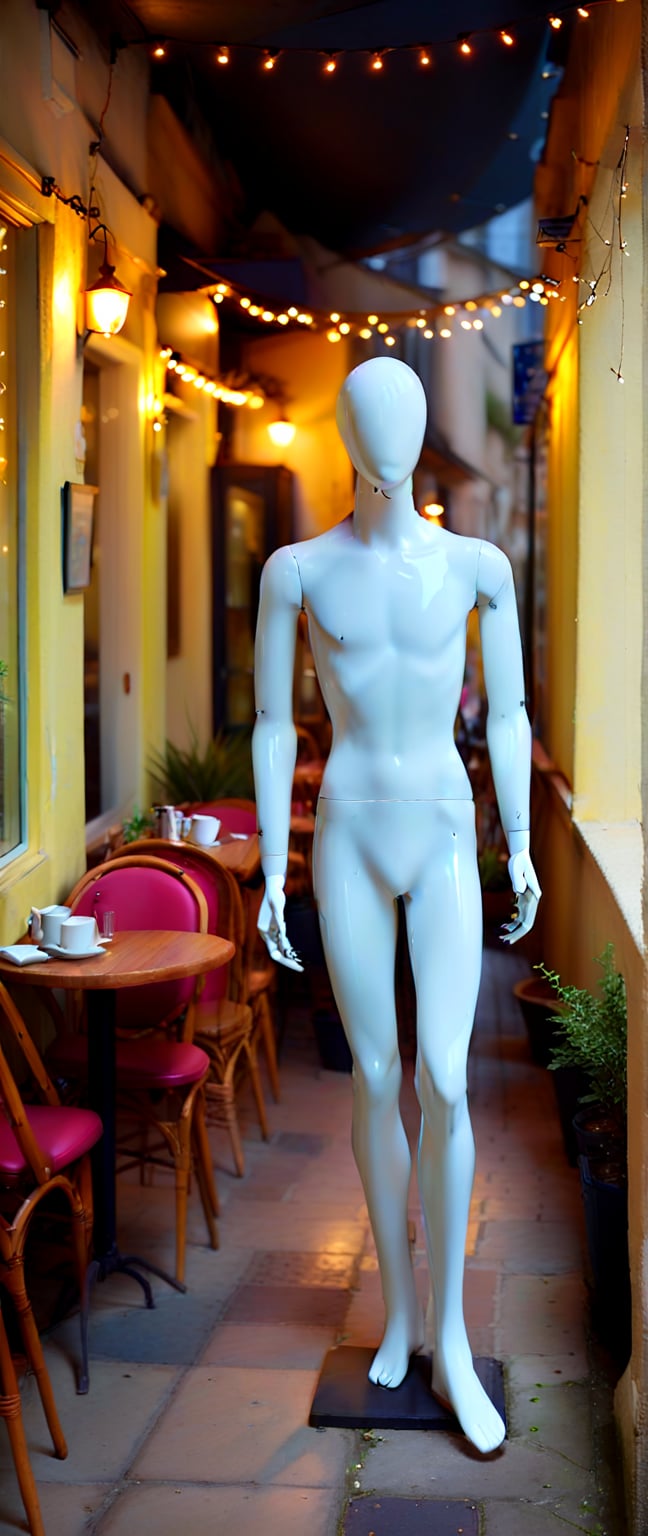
{"points": [[335, 317], [523, 283], [428, 334], [478, 325], [302, 319], [255, 402], [282, 319], [464, 46], [421, 324], [330, 65], [466, 325], [333, 336], [270, 61], [254, 310], [449, 309], [507, 39], [157, 426], [292, 312], [445, 332], [383, 328], [217, 298], [496, 311], [537, 287], [267, 315], [519, 301], [222, 288], [245, 303], [377, 61], [344, 328], [222, 56], [470, 305], [507, 298], [372, 319], [555, 22], [424, 58], [390, 341], [365, 333], [582, 11], [159, 52]]}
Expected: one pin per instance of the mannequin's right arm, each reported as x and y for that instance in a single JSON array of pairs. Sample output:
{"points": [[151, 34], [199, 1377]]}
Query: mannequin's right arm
{"points": [[274, 740]]}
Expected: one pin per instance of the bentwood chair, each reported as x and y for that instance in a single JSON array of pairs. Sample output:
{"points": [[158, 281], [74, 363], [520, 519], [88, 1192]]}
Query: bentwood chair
{"points": [[160, 1072], [43, 1147], [223, 1019], [11, 1412], [238, 816]]}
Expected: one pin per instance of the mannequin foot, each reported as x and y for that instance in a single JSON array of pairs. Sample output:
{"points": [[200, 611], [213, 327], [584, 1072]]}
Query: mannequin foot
{"points": [[458, 1388], [404, 1336]]}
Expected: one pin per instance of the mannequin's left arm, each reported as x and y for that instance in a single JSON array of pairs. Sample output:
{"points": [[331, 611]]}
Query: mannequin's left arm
{"points": [[508, 731]]}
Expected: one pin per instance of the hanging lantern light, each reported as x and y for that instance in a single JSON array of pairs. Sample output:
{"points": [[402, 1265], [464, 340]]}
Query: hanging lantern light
{"points": [[106, 302], [281, 432]]}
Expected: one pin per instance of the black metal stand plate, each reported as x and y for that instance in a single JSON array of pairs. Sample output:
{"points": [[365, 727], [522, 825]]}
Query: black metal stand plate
{"points": [[346, 1399]]}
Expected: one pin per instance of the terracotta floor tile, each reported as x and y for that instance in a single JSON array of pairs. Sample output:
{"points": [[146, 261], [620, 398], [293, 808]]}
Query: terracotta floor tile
{"points": [[234, 1425], [276, 1346], [212, 1511]]}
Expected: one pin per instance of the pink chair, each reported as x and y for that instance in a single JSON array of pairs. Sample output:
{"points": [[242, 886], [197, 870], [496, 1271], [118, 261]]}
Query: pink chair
{"points": [[160, 1078], [42, 1147], [234, 815], [223, 1020]]}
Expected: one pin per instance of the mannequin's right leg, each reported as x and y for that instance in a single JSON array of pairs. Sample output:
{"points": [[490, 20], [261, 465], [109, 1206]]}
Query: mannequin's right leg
{"points": [[358, 924]]}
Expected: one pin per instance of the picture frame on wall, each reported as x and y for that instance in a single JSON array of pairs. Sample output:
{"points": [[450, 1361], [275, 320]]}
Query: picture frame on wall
{"points": [[78, 521]]}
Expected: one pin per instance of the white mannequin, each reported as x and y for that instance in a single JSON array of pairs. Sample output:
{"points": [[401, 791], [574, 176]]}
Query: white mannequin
{"points": [[387, 596]]}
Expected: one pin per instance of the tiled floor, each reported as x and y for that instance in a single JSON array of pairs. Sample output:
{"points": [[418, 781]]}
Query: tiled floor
{"points": [[197, 1416]]}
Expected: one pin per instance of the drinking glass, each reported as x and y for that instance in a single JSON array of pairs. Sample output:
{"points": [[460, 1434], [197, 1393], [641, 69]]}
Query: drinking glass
{"points": [[107, 925]]}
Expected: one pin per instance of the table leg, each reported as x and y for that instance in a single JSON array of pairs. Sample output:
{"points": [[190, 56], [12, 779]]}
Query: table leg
{"points": [[102, 1094]]}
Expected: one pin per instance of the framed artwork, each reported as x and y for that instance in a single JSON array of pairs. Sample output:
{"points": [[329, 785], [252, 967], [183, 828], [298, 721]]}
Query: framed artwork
{"points": [[78, 518]]}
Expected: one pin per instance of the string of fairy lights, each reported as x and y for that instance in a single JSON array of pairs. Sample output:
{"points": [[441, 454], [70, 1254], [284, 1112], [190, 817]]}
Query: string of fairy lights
{"points": [[439, 321], [376, 60]]}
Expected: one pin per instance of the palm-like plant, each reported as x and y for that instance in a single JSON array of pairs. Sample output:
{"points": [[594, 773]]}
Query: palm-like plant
{"points": [[223, 769]]}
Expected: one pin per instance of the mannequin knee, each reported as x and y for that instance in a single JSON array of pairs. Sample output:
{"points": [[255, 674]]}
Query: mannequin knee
{"points": [[440, 1087], [377, 1078]]}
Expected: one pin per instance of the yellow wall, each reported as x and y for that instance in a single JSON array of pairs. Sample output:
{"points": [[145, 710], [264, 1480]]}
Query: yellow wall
{"points": [[595, 598], [312, 371], [52, 274]]}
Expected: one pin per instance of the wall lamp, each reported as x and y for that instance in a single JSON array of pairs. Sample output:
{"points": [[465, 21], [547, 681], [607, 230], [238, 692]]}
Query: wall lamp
{"points": [[106, 300], [281, 432]]}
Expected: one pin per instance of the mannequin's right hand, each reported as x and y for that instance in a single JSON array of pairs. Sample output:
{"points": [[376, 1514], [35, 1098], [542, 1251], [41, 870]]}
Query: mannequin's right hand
{"points": [[272, 927]]}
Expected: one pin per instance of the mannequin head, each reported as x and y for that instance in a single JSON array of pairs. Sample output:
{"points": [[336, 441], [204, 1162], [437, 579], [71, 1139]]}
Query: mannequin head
{"points": [[381, 414]]}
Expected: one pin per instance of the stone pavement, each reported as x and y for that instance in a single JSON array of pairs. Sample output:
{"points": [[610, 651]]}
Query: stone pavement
{"points": [[197, 1416]]}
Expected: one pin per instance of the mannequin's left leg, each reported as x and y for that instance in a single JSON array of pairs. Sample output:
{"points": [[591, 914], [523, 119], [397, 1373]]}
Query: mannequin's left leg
{"points": [[444, 923]]}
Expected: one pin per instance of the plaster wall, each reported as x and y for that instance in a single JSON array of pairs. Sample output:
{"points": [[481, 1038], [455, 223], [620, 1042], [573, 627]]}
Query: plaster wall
{"points": [[35, 140], [312, 371], [596, 566]]}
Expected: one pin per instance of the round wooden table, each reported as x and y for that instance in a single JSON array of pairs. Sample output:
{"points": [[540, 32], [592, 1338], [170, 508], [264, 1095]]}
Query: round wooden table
{"points": [[130, 960]]}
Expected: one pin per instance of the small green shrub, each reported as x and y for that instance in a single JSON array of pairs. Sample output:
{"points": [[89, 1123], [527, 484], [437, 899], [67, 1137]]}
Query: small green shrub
{"points": [[493, 870], [592, 1034], [136, 825], [222, 770]]}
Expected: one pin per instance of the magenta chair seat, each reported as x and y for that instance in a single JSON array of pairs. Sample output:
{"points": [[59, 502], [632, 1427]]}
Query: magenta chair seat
{"points": [[233, 818], [144, 898], [63, 1135], [145, 1063]]}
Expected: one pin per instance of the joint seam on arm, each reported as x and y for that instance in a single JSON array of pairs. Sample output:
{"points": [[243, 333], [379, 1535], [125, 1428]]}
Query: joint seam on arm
{"points": [[301, 589]]}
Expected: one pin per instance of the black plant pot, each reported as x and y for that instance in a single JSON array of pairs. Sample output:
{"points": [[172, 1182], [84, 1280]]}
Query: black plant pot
{"points": [[538, 1004], [599, 1135], [570, 1086], [605, 1201], [302, 923]]}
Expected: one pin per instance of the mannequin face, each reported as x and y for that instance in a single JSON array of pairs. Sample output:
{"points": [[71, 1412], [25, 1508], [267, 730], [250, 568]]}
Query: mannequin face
{"points": [[381, 414]]}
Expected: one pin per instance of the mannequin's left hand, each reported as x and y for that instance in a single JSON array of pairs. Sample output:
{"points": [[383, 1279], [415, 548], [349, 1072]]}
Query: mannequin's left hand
{"points": [[527, 893]]}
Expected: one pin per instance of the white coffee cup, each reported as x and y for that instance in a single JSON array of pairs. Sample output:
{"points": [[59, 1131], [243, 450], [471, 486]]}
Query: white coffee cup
{"points": [[46, 923], [202, 830], [79, 934]]}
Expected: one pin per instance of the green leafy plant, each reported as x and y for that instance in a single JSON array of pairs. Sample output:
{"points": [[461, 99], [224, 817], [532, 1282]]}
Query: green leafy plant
{"points": [[592, 1034], [136, 825], [493, 871], [4, 672], [221, 770]]}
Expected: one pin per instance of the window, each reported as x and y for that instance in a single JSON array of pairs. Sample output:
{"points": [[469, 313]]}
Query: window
{"points": [[11, 809]]}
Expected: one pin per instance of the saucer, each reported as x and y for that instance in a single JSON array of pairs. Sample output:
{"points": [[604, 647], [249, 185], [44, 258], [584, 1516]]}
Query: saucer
{"points": [[74, 954]]}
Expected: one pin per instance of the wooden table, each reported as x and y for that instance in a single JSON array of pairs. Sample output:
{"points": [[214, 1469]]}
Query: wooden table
{"points": [[130, 960], [238, 854]]}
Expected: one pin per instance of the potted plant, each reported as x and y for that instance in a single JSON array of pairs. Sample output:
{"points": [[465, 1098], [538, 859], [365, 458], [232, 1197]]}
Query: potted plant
{"points": [[497, 896], [219, 771], [591, 1038], [538, 1005]]}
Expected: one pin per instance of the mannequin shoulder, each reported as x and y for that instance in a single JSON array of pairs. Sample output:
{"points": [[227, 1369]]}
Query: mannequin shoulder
{"points": [[280, 581], [493, 569], [314, 555]]}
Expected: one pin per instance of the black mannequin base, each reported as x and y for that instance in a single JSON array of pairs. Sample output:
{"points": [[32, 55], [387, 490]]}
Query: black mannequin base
{"points": [[346, 1399]]}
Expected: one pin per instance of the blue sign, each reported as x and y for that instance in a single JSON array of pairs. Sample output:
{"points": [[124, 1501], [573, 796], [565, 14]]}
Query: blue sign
{"points": [[529, 380]]}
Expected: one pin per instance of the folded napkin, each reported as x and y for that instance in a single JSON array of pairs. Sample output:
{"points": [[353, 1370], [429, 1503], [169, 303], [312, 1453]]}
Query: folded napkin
{"points": [[22, 954]]}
